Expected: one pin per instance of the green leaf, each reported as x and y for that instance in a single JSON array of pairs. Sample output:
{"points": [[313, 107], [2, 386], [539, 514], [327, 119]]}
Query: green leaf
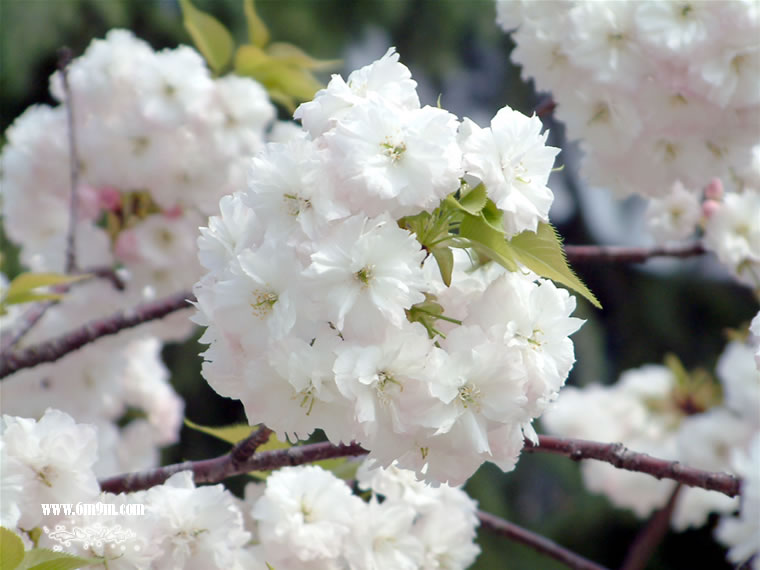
{"points": [[258, 32], [542, 253], [445, 259], [248, 59], [29, 297], [27, 281], [11, 549], [299, 83], [341, 467], [493, 216], [237, 432], [44, 559], [21, 288], [427, 313], [231, 434], [487, 241], [277, 76], [290, 54], [213, 40], [472, 202], [283, 99]]}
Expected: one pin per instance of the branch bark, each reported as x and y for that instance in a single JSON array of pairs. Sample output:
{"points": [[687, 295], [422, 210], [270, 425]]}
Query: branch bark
{"points": [[236, 462], [56, 348], [9, 339], [651, 536], [537, 542], [219, 468], [33, 355], [621, 457], [64, 59], [616, 254]]}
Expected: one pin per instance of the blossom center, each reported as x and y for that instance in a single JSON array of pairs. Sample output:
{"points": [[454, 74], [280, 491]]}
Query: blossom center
{"points": [[385, 383], [307, 398], [393, 150], [364, 275], [262, 304], [469, 395], [294, 204]]}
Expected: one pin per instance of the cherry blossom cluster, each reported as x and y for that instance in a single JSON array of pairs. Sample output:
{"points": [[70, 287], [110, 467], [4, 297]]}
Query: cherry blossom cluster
{"points": [[308, 518], [663, 97], [158, 140], [323, 310], [301, 517], [667, 413], [119, 384]]}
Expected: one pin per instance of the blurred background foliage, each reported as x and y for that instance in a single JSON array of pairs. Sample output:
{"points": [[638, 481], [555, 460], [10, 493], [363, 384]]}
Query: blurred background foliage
{"points": [[454, 50]]}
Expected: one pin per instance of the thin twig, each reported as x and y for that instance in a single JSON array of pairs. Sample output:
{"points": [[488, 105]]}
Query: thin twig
{"points": [[545, 107], [619, 456], [27, 321], [537, 542], [651, 536], [31, 317], [56, 348], [103, 272], [228, 465], [64, 59], [617, 254], [70, 264]]}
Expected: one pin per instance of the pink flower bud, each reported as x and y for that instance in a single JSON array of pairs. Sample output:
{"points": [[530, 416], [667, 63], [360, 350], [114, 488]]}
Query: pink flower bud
{"points": [[709, 207], [109, 198], [88, 202], [126, 247], [173, 213], [714, 190]]}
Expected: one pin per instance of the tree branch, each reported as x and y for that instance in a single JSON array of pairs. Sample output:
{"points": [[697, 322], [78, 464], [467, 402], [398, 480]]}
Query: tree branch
{"points": [[537, 542], [27, 321], [218, 468], [55, 348], [64, 59], [243, 459], [236, 462], [617, 254], [646, 542], [32, 356], [545, 107], [619, 456]]}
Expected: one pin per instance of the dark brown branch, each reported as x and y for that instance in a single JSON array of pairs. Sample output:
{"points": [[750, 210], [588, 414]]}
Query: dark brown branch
{"points": [[619, 456], [537, 542], [545, 107], [243, 450], [617, 254], [233, 463], [243, 459], [646, 542], [104, 272], [64, 59], [52, 350], [214, 470]]}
